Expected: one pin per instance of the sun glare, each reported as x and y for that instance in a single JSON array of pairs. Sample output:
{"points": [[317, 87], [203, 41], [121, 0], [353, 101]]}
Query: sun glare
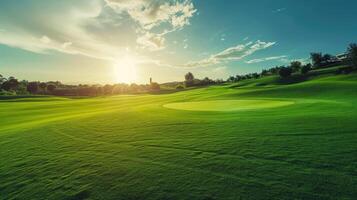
{"points": [[125, 70]]}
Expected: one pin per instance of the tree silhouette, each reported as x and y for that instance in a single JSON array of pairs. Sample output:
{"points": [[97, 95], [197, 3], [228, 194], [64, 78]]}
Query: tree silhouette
{"points": [[352, 53], [306, 68], [32, 87], [189, 78], [316, 59], [51, 88], [43, 87], [295, 65], [10, 84], [285, 72]]}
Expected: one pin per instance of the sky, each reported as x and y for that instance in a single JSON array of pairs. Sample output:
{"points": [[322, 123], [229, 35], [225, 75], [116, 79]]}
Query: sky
{"points": [[114, 41]]}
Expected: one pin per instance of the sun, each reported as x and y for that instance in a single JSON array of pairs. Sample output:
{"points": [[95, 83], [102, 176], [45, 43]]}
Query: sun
{"points": [[125, 70]]}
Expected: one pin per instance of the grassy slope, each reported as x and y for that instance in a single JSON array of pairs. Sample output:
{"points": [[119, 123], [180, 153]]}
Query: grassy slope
{"points": [[131, 147]]}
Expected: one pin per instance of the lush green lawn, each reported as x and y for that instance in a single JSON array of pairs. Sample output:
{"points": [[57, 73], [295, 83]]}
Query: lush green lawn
{"points": [[140, 147]]}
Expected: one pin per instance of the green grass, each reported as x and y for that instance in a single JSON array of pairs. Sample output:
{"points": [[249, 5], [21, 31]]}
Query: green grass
{"points": [[133, 147], [227, 105]]}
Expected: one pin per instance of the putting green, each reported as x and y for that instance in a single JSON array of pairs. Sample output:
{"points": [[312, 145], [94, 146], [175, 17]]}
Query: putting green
{"points": [[227, 105]]}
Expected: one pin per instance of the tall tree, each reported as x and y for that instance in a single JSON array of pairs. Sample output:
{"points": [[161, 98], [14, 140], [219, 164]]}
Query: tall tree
{"points": [[43, 87], [326, 57], [316, 59], [32, 87], [2, 80], [285, 72], [189, 79], [295, 65], [51, 88], [10, 84], [352, 53]]}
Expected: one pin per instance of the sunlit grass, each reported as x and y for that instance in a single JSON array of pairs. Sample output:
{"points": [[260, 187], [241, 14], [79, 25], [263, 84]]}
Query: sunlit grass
{"points": [[133, 147]]}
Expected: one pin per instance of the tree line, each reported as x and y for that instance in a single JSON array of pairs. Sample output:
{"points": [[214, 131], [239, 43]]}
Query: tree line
{"points": [[319, 61], [12, 86]]}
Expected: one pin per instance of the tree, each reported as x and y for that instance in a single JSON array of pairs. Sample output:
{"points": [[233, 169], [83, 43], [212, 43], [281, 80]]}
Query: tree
{"points": [[306, 68], [285, 72], [295, 65], [32, 87], [51, 88], [154, 86], [238, 78], [316, 59], [255, 75], [2, 80], [352, 53], [326, 57], [231, 79], [189, 78], [43, 87], [10, 84], [265, 72]]}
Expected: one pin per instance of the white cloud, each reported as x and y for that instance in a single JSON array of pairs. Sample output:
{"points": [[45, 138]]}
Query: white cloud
{"points": [[151, 41], [45, 39], [90, 28], [153, 13], [233, 53], [266, 59]]}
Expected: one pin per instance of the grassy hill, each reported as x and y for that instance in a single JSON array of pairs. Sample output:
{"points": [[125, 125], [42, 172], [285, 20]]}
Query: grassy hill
{"points": [[257, 139]]}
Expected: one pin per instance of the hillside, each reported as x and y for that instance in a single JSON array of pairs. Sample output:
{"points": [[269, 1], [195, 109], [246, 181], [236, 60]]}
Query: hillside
{"points": [[300, 145]]}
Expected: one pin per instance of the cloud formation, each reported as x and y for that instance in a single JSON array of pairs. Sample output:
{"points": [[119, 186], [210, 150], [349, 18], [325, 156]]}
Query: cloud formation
{"points": [[258, 60], [233, 53], [149, 14], [101, 29]]}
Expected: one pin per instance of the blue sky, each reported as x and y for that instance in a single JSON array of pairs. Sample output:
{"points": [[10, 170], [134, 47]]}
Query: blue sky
{"points": [[108, 41]]}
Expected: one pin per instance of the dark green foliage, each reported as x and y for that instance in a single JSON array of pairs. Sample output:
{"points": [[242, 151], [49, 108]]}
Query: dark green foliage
{"points": [[345, 70], [316, 58], [11, 84], [43, 87], [189, 79], [352, 51], [33, 87], [306, 68], [285, 72], [295, 66], [231, 79], [51, 88]]}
